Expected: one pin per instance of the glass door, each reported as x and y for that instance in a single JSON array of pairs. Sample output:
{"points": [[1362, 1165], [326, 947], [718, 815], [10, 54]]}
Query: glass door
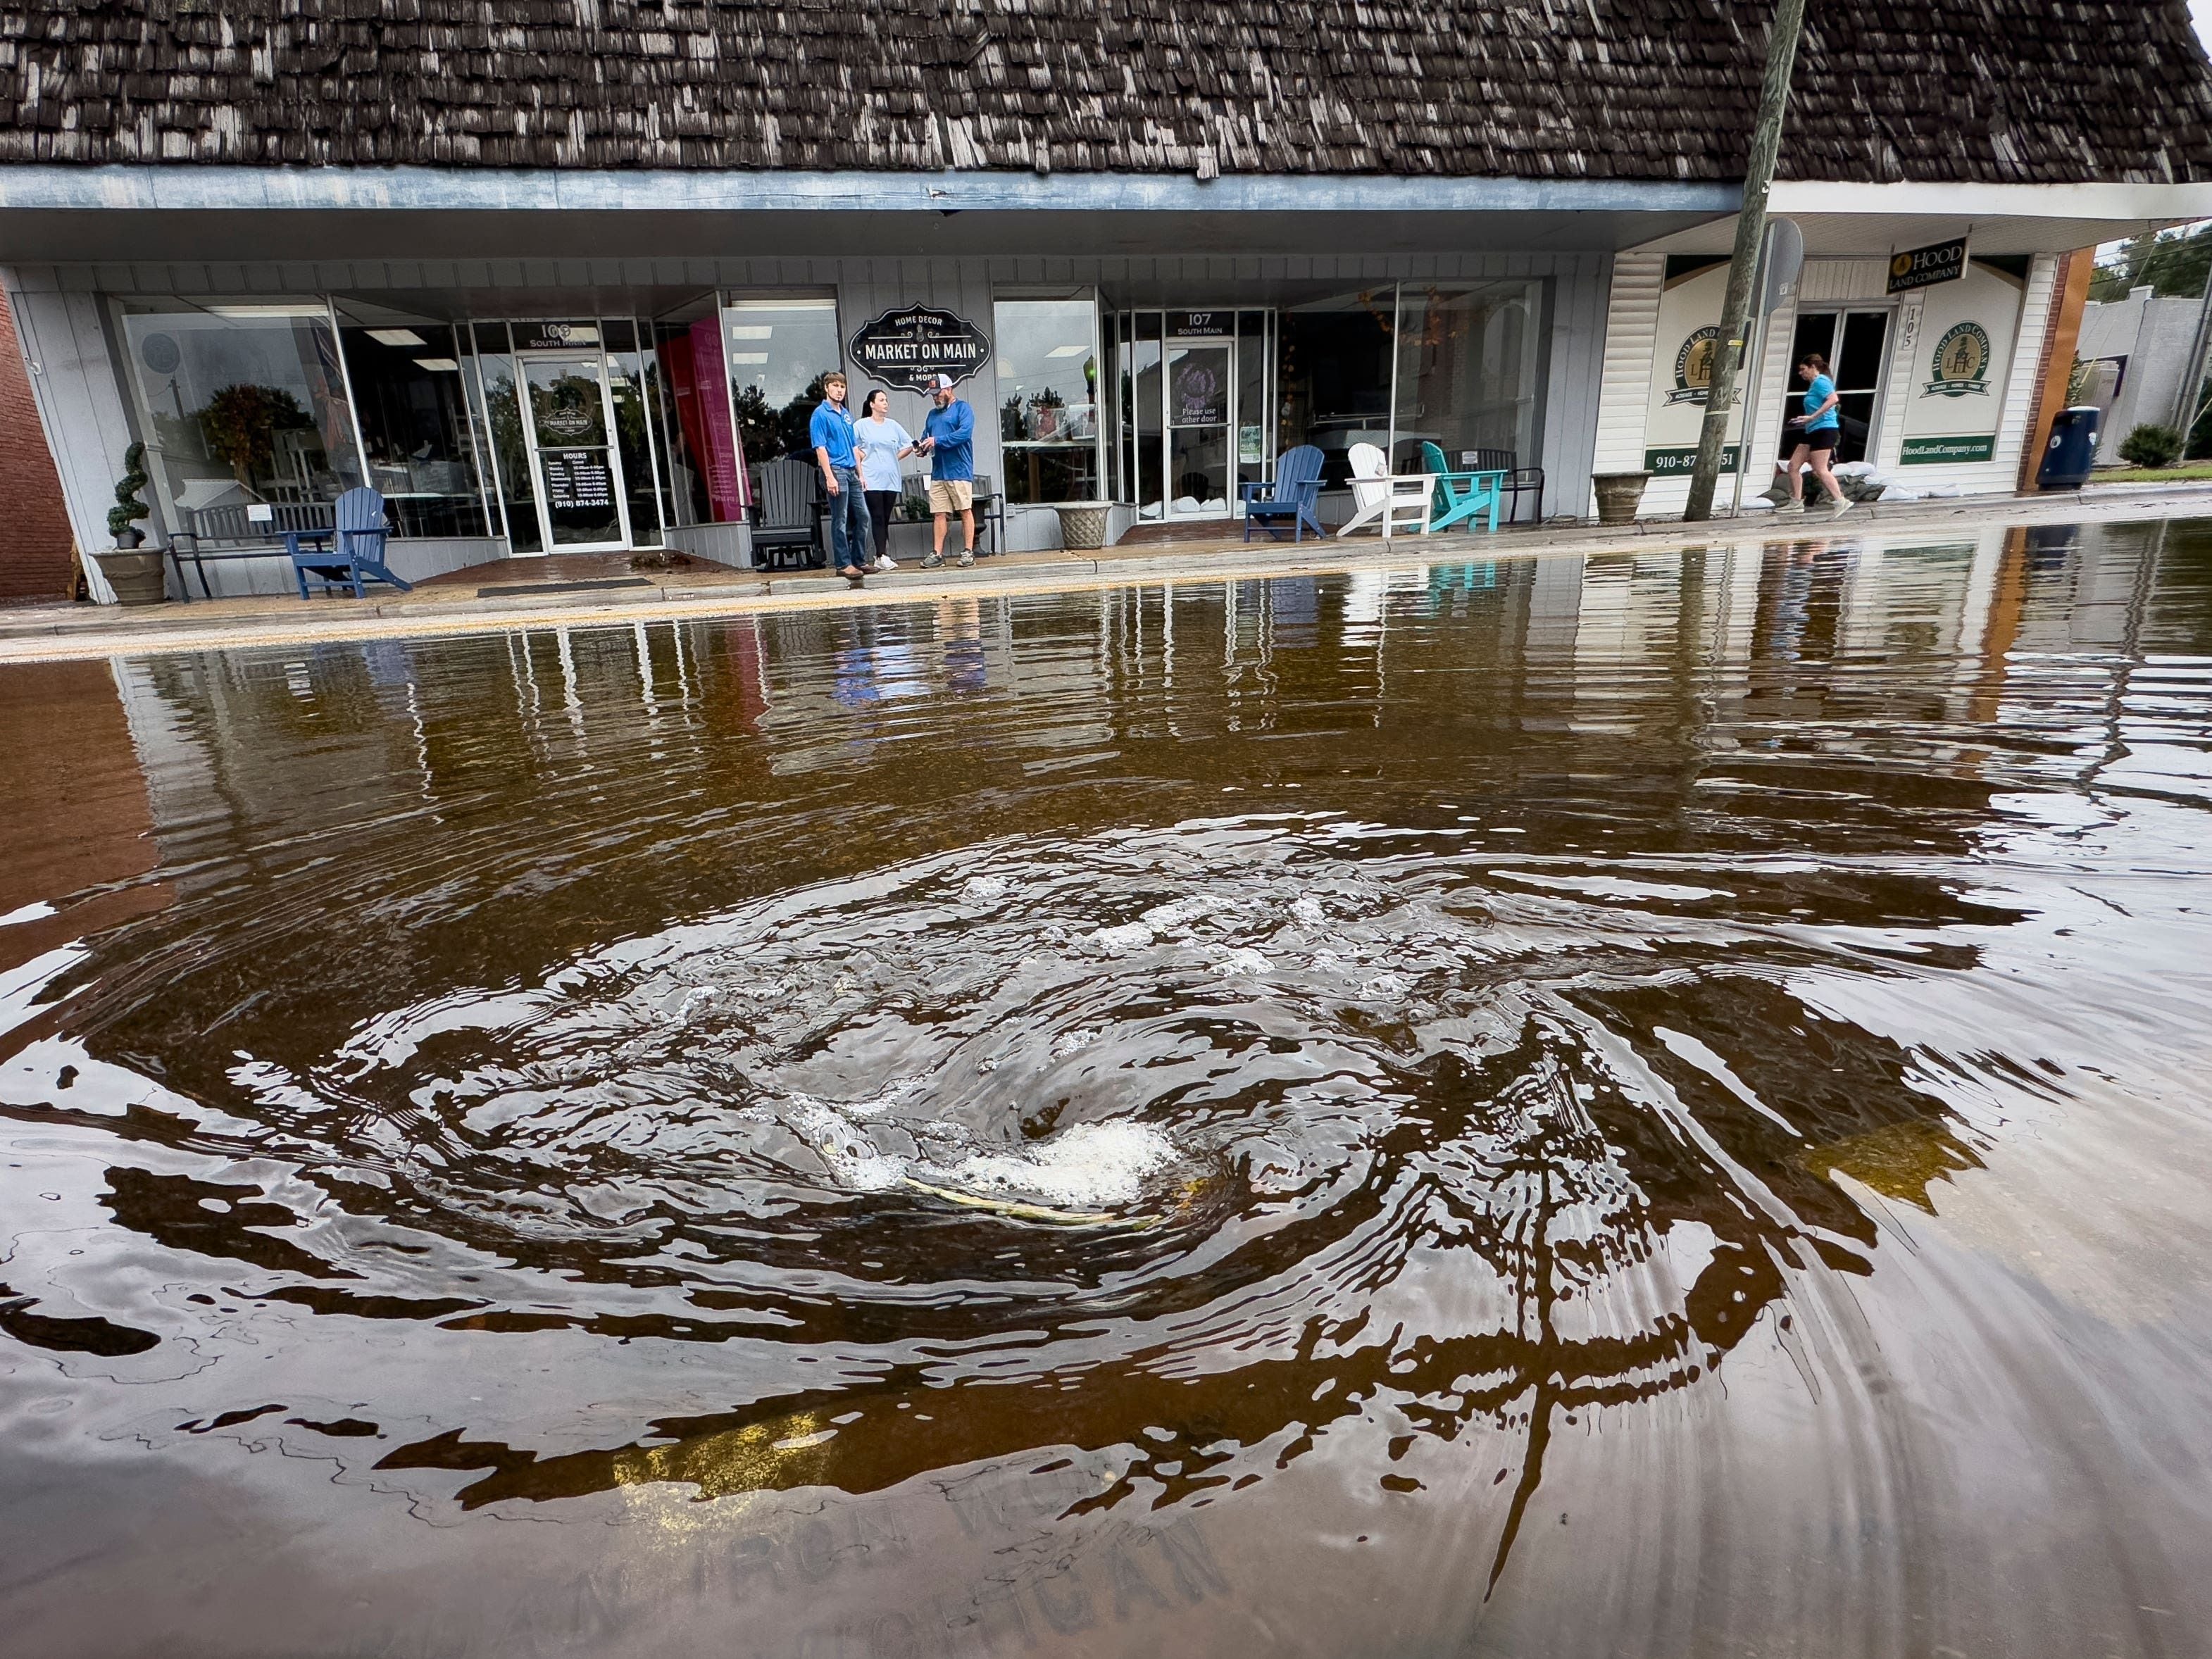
{"points": [[1856, 345], [1201, 391], [568, 414], [1191, 392]]}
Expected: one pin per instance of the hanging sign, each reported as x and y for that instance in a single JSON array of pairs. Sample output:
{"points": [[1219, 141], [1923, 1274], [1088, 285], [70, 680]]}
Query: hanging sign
{"points": [[905, 348], [1924, 267]]}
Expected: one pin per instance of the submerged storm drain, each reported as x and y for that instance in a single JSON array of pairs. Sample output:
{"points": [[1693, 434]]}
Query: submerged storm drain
{"points": [[562, 587]]}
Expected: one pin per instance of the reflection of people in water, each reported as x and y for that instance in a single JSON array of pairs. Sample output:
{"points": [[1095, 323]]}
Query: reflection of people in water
{"points": [[960, 626]]}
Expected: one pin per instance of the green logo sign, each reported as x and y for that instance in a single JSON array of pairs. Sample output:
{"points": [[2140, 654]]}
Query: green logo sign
{"points": [[1962, 362], [1693, 367]]}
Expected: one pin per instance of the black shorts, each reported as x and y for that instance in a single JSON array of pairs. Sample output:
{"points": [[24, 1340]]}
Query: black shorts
{"points": [[1826, 438]]}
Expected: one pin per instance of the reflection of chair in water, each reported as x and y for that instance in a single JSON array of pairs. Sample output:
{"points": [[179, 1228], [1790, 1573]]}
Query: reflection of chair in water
{"points": [[784, 522], [1400, 500], [1294, 495], [350, 553], [1460, 497]]}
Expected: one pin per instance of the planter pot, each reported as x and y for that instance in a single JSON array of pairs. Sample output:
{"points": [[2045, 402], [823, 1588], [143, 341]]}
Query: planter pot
{"points": [[130, 540], [1618, 494], [134, 574], [1082, 524]]}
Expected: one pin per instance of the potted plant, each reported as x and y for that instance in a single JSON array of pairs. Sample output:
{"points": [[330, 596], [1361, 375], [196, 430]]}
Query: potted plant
{"points": [[132, 569]]}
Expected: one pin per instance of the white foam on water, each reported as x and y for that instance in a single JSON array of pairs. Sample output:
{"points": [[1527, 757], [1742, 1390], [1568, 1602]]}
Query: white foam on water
{"points": [[1308, 912], [1119, 941], [1244, 960], [1090, 1166], [1068, 1042], [854, 1159], [982, 890]]}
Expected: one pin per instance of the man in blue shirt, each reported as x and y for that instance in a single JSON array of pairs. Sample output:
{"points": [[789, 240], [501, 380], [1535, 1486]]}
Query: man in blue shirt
{"points": [[949, 436], [830, 432]]}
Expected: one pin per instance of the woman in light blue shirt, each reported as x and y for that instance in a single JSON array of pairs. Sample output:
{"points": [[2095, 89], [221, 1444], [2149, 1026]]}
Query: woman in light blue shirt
{"points": [[882, 443], [1823, 429]]}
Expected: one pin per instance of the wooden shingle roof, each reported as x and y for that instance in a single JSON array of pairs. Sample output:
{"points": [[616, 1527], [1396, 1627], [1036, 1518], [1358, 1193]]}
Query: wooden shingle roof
{"points": [[1998, 90]]}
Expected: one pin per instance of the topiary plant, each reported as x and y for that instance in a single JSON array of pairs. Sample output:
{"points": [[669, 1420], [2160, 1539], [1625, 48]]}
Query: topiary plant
{"points": [[2150, 444], [128, 507]]}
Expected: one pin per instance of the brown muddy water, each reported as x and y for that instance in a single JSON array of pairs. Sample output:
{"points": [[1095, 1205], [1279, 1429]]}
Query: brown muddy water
{"points": [[1648, 1106]]}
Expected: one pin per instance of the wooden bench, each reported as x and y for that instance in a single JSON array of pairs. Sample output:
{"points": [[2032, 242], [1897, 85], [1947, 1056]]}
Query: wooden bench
{"points": [[241, 530]]}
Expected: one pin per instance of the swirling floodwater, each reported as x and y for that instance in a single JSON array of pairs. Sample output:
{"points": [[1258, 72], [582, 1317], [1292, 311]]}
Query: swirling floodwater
{"points": [[1633, 1106]]}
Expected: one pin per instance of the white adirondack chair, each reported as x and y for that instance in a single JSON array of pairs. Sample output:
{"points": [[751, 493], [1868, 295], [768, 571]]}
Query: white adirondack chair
{"points": [[1400, 503]]}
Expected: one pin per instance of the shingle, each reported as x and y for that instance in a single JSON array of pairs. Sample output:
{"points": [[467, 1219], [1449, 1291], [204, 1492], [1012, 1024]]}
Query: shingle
{"points": [[2032, 90]]}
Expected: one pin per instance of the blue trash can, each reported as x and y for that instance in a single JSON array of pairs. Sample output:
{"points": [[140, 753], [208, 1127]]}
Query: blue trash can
{"points": [[2072, 450]]}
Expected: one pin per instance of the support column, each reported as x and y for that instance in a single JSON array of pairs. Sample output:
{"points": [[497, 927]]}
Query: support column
{"points": [[2054, 370]]}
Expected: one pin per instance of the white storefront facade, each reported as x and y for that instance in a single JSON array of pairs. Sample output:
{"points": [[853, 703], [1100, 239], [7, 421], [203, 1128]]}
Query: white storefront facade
{"points": [[1940, 385]]}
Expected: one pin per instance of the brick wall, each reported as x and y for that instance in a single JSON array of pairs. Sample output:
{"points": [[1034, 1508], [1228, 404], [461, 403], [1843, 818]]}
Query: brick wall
{"points": [[34, 529]]}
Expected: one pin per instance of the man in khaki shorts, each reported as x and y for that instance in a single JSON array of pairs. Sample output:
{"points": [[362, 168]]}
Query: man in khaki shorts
{"points": [[948, 436]]}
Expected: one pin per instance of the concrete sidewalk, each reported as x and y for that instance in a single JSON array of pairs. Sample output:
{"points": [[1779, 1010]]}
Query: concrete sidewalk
{"points": [[515, 593]]}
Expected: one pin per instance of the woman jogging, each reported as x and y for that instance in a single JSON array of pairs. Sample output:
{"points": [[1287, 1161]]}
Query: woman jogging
{"points": [[882, 443], [1823, 427]]}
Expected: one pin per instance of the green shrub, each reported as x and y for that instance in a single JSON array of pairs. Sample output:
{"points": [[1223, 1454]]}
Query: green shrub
{"points": [[2150, 444]]}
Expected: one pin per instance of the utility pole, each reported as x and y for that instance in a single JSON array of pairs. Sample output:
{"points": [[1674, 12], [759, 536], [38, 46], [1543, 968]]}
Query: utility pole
{"points": [[1750, 227], [2187, 397]]}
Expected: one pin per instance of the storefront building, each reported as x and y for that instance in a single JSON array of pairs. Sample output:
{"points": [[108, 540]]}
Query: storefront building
{"points": [[548, 303]]}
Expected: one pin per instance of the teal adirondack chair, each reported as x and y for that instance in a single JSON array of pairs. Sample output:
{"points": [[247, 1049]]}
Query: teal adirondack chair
{"points": [[1461, 496]]}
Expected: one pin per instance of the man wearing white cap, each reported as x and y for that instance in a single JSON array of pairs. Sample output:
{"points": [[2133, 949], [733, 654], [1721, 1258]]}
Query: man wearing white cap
{"points": [[949, 438]]}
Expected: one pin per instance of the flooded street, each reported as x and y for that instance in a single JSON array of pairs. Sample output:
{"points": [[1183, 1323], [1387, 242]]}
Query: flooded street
{"points": [[1642, 1105]]}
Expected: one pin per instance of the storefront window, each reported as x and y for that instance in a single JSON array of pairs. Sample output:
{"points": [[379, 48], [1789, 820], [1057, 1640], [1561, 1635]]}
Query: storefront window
{"points": [[704, 481], [1469, 368], [1332, 371], [629, 377], [407, 390], [778, 350], [1048, 399], [240, 405], [1142, 410], [509, 446]]}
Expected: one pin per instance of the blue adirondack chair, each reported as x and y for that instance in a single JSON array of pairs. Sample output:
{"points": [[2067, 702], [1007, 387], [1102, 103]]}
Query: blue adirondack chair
{"points": [[1461, 496], [1295, 494], [348, 554]]}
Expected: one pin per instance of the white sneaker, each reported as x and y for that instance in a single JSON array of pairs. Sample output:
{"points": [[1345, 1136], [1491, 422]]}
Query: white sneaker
{"points": [[885, 563], [1842, 506], [968, 560]]}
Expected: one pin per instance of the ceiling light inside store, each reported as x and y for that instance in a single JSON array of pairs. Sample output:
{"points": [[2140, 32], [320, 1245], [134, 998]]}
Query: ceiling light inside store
{"points": [[1068, 351], [439, 365], [397, 337], [268, 311], [748, 356], [751, 331]]}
